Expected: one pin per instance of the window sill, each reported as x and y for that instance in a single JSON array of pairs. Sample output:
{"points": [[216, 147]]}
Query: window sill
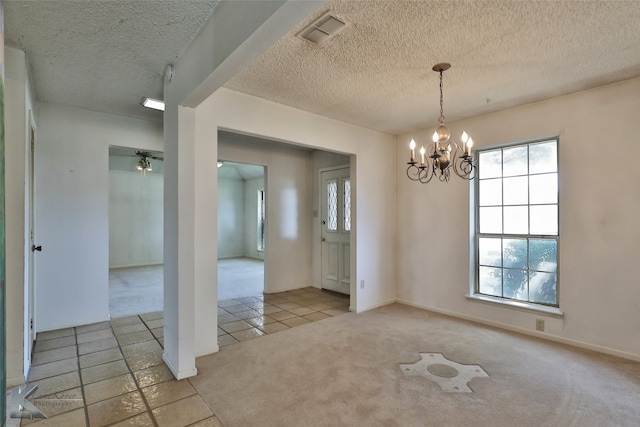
{"points": [[522, 306]]}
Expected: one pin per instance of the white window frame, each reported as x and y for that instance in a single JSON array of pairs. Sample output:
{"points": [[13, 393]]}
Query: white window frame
{"points": [[475, 235]]}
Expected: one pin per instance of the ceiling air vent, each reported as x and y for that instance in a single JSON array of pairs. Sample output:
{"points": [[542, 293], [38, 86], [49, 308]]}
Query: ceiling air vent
{"points": [[322, 29]]}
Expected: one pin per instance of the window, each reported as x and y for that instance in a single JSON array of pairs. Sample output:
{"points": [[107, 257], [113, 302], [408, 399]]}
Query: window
{"points": [[517, 222], [261, 216]]}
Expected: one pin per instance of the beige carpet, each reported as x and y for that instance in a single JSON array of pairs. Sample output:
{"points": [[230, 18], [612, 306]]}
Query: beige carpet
{"points": [[344, 371]]}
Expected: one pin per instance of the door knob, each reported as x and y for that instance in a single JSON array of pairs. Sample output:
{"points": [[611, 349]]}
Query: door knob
{"points": [[36, 248], [322, 239]]}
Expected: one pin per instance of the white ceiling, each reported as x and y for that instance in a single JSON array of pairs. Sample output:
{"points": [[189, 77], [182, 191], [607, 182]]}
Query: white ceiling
{"points": [[103, 55], [240, 171], [376, 73]]}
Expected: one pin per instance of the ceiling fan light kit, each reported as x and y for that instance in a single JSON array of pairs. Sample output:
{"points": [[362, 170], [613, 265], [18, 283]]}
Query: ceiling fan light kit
{"points": [[444, 153]]}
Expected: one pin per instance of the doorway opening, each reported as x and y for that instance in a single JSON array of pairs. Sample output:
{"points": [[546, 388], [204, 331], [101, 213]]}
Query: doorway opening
{"points": [[136, 231], [241, 230]]}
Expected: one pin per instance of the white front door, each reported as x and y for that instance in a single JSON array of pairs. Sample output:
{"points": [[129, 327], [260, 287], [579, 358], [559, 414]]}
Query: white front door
{"points": [[335, 230]]}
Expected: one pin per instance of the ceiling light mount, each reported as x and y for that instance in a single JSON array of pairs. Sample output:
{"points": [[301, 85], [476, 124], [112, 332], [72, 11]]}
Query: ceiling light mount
{"points": [[444, 152]]}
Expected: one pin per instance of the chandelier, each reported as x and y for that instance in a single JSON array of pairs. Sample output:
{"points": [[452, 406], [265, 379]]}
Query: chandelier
{"points": [[444, 155]]}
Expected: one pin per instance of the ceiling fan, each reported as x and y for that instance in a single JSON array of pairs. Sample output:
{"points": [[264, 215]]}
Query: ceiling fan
{"points": [[144, 165]]}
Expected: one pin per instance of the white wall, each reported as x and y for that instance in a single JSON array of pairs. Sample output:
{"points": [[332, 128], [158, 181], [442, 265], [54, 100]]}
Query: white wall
{"points": [[72, 213], [373, 249], [135, 218], [251, 187], [231, 218], [19, 107], [599, 211], [289, 206]]}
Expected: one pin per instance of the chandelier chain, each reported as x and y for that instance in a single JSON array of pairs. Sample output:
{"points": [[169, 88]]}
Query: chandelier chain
{"points": [[441, 101]]}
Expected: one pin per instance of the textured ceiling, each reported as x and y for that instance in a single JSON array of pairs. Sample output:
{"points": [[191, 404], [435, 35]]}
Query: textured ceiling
{"points": [[103, 55], [377, 72]]}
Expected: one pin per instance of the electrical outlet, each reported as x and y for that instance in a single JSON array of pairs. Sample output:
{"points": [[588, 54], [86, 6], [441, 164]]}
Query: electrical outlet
{"points": [[539, 325], [361, 284]]}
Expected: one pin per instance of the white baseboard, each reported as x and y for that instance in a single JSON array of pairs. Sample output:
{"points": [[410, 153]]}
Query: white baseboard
{"points": [[537, 334], [376, 305], [179, 375]]}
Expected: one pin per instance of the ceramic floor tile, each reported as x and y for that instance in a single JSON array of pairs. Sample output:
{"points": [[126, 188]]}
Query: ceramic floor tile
{"points": [[272, 309], [260, 320], [221, 331], [288, 305], [123, 321], [227, 303], [41, 336], [334, 311], [302, 311], [135, 337], [235, 326], [209, 422], [144, 360], [129, 329], [167, 392], [319, 306], [154, 375], [274, 300], [116, 409], [248, 300], [246, 314], [227, 318], [94, 346], [100, 357], [247, 334], [152, 316], [68, 419], [140, 348], [56, 384], [54, 355], [256, 305], [104, 371], [235, 308], [316, 316], [182, 412], [158, 332], [296, 321], [225, 340], [273, 327], [52, 369], [282, 315], [54, 343], [93, 327], [158, 323], [106, 389], [94, 336], [141, 420], [58, 403]]}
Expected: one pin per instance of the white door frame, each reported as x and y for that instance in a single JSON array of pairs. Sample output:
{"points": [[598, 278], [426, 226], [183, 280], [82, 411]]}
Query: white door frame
{"points": [[30, 240]]}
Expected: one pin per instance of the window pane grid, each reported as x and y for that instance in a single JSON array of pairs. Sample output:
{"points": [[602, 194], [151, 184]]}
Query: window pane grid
{"points": [[517, 223]]}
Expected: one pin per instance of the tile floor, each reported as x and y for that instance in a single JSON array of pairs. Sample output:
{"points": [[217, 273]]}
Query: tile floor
{"points": [[112, 373], [245, 318]]}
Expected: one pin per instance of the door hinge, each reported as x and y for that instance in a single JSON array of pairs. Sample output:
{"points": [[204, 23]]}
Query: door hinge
{"points": [[31, 324]]}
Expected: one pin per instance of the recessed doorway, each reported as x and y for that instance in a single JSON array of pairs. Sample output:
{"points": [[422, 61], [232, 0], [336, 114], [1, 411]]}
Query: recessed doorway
{"points": [[136, 230], [241, 230]]}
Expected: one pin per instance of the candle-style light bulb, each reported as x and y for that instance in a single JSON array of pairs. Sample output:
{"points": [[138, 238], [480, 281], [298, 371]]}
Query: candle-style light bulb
{"points": [[469, 145], [422, 151], [465, 137], [412, 147]]}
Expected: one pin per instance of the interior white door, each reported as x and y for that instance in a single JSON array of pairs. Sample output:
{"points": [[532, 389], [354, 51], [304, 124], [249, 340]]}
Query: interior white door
{"points": [[335, 230]]}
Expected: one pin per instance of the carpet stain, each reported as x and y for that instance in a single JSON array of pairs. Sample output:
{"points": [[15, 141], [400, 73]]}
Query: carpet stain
{"points": [[452, 377]]}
